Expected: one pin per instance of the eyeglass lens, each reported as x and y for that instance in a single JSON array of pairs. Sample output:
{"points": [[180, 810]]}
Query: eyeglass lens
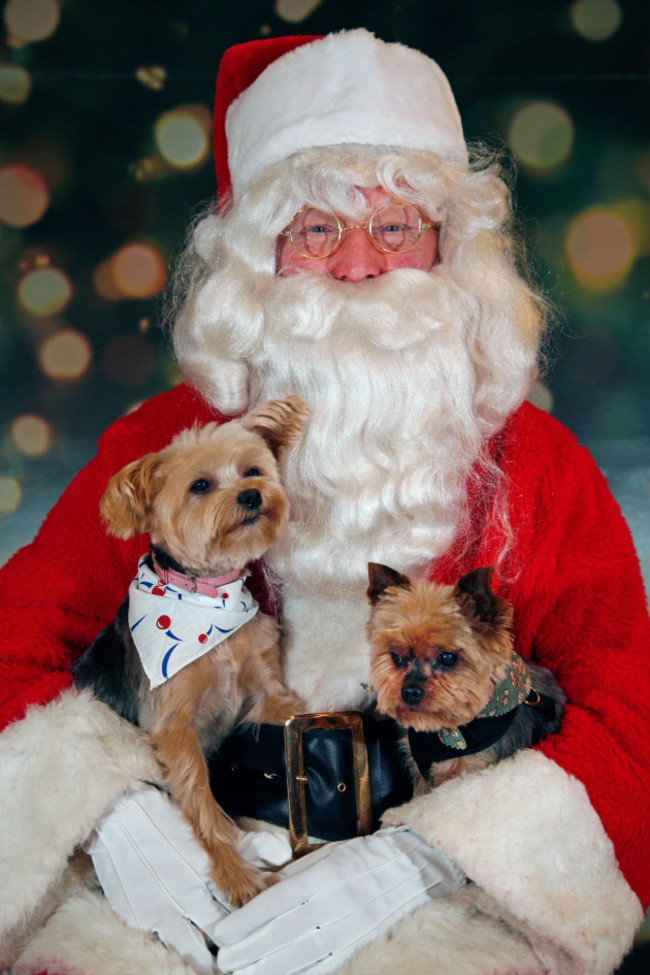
{"points": [[394, 227]]}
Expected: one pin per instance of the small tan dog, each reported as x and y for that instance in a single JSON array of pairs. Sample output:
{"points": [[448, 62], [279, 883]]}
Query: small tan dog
{"points": [[444, 667], [205, 659]]}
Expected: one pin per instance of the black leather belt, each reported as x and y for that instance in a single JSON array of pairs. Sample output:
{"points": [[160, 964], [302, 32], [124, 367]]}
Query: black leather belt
{"points": [[248, 775]]}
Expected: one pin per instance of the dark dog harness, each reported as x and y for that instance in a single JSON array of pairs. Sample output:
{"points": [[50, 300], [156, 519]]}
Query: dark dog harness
{"points": [[479, 734]]}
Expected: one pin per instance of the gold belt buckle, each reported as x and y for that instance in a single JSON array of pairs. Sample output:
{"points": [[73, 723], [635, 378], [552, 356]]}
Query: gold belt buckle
{"points": [[296, 778]]}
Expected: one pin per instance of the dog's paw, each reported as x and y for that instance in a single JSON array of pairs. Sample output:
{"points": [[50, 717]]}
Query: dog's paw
{"points": [[234, 878]]}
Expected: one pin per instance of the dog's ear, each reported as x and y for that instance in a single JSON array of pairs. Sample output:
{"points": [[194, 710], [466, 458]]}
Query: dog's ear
{"points": [[382, 577], [475, 596], [278, 422], [126, 503]]}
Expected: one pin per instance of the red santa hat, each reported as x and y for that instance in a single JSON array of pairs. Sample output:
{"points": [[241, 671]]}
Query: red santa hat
{"points": [[280, 95]]}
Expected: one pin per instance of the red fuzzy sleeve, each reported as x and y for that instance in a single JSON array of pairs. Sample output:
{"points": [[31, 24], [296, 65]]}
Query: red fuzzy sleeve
{"points": [[67, 584], [581, 611]]}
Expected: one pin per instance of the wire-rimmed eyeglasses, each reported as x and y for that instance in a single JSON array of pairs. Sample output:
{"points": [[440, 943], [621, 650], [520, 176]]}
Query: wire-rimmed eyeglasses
{"points": [[393, 227]]}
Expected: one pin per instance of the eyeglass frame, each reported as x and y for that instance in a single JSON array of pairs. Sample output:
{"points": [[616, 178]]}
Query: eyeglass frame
{"points": [[358, 226]]}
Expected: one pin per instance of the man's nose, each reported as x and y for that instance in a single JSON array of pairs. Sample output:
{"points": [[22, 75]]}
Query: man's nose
{"points": [[356, 259]]}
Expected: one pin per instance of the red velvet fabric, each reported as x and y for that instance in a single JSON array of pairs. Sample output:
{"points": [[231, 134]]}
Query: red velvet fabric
{"points": [[580, 606]]}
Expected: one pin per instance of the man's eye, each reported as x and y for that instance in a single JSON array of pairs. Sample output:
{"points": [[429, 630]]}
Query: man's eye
{"points": [[399, 661], [320, 228], [201, 486], [252, 472]]}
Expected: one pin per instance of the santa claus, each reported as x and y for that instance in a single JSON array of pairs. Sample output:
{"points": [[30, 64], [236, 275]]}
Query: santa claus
{"points": [[362, 258]]}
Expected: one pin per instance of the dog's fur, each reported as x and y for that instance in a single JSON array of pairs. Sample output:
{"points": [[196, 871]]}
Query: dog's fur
{"points": [[194, 500], [437, 653]]}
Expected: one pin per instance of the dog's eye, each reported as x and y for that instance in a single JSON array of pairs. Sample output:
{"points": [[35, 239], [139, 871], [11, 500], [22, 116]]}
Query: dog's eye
{"points": [[201, 486], [253, 472], [399, 661], [447, 659]]}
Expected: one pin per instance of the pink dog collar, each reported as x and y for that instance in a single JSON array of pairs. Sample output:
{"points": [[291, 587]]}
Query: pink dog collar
{"points": [[203, 586]]}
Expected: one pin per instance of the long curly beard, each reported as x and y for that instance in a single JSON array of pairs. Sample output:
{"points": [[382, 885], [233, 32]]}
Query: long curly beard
{"points": [[380, 473]]}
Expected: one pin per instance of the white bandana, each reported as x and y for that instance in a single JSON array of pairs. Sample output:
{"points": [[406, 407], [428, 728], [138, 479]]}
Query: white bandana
{"points": [[172, 631]]}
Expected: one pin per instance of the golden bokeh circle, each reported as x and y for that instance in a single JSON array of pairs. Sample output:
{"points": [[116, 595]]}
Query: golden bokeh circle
{"points": [[24, 195], [31, 435], [65, 355], [44, 291]]}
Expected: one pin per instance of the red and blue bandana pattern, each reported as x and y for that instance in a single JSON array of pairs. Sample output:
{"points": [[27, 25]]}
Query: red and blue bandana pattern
{"points": [[171, 627]]}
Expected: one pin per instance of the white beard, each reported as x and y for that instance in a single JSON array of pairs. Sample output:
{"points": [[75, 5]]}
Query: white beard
{"points": [[380, 473]]}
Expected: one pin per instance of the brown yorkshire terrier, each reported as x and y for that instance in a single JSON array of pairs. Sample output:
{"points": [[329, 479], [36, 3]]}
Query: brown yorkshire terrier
{"points": [[188, 655], [444, 667]]}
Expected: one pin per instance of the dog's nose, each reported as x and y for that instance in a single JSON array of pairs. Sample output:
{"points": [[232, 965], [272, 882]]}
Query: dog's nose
{"points": [[251, 498], [412, 694]]}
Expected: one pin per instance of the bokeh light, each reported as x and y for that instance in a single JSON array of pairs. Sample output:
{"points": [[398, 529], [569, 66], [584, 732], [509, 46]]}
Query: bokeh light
{"points": [[635, 214], [596, 20], [31, 20], [15, 84], [44, 291], [183, 136], [599, 247], [24, 196], [10, 494], [153, 78], [31, 435], [541, 135], [294, 11], [65, 355], [134, 271]]}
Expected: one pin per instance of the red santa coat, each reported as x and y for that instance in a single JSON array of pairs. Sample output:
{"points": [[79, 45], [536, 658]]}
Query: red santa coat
{"points": [[556, 840]]}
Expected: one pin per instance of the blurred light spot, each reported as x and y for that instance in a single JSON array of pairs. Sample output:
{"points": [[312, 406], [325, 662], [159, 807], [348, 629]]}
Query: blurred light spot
{"points": [[45, 291], [129, 360], [153, 77], [149, 168], [134, 271], [24, 196], [541, 396], [600, 250], [103, 282], [144, 325], [31, 435], [31, 20], [65, 355], [133, 407], [541, 134], [596, 20], [173, 373], [15, 84], [138, 271], [635, 214], [183, 136], [293, 11], [10, 494], [265, 30]]}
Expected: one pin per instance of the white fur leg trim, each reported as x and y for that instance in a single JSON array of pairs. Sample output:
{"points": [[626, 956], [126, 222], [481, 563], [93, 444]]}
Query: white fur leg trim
{"points": [[525, 832], [85, 937], [59, 768], [448, 936]]}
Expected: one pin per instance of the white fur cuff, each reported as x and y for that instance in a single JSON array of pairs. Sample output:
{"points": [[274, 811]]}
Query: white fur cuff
{"points": [[525, 832], [59, 768]]}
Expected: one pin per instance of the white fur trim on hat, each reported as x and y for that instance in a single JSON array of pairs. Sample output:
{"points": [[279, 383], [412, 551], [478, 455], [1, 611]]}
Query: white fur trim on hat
{"points": [[348, 87]]}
